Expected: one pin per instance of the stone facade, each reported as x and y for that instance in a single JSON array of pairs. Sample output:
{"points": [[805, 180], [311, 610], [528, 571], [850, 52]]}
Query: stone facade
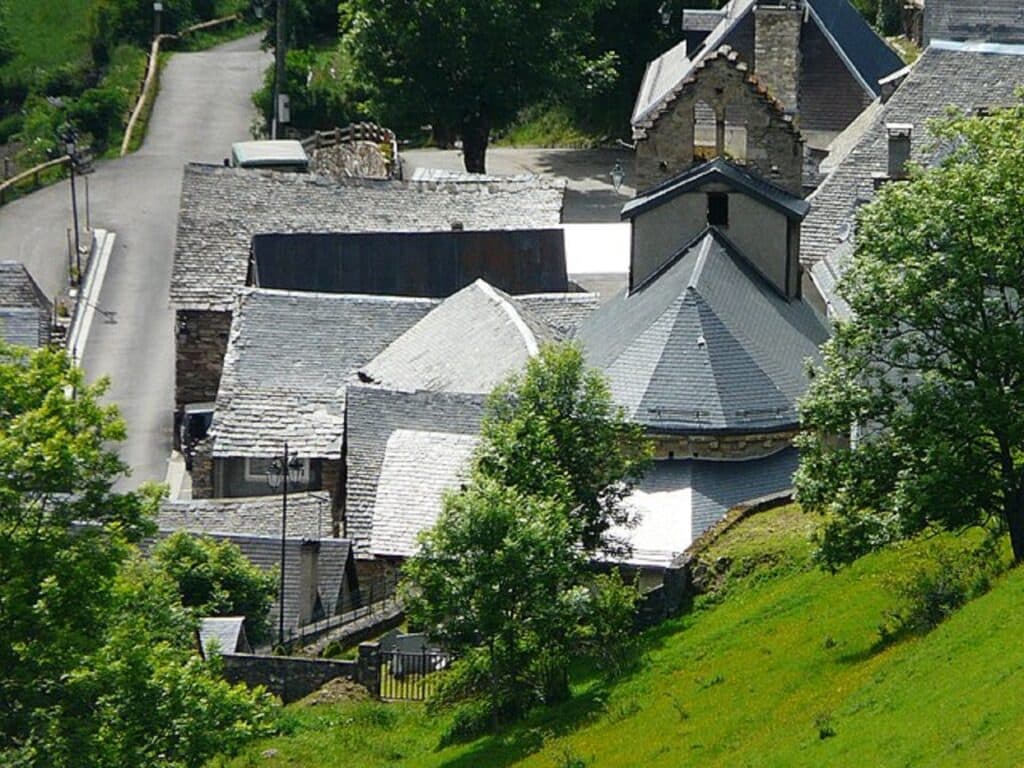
{"points": [[777, 51], [201, 339], [332, 480], [741, 105], [290, 677], [202, 470], [728, 446]]}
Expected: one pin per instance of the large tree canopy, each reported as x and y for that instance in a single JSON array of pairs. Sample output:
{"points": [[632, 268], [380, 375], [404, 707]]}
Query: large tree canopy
{"points": [[929, 372], [504, 578], [465, 65], [97, 657]]}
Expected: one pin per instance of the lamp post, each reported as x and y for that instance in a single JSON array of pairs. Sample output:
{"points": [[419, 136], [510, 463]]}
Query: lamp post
{"points": [[158, 8], [70, 137], [280, 471]]}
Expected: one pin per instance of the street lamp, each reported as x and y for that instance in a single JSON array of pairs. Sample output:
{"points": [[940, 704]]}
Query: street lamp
{"points": [[69, 136], [158, 8], [279, 472], [618, 175]]}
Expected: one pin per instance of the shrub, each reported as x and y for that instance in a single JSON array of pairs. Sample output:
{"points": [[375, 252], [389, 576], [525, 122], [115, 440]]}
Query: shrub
{"points": [[940, 580]]}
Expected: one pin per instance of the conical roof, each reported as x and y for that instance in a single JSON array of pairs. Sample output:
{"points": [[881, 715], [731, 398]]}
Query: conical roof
{"points": [[469, 343], [706, 344]]}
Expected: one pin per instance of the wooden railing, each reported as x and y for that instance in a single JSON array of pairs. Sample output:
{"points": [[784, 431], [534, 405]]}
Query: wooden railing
{"points": [[154, 65], [30, 173], [358, 132]]}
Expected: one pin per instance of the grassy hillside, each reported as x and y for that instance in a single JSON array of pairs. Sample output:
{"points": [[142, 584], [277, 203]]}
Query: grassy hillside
{"points": [[783, 668], [48, 33]]}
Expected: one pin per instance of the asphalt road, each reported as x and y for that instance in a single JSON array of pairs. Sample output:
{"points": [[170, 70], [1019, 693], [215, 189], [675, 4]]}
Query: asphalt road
{"points": [[203, 105]]}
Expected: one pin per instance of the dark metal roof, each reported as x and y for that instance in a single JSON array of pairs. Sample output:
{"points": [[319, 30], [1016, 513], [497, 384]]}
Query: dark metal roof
{"points": [[866, 54], [706, 345], [423, 264], [718, 170]]}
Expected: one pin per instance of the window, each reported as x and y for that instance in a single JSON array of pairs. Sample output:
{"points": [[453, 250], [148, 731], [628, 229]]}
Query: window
{"points": [[256, 470], [718, 209]]}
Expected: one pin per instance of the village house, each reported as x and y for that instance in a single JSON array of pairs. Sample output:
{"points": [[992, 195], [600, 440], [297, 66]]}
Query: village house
{"points": [[223, 208], [817, 59], [320, 573], [973, 77], [26, 315]]}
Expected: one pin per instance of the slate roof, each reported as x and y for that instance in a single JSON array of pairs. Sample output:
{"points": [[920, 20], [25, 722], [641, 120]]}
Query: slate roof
{"points": [[309, 517], [678, 499], [418, 467], [222, 208], [994, 21], [469, 343], [24, 308], [826, 274], [865, 54], [562, 312], [374, 415], [288, 356], [227, 631], [718, 170], [706, 344], [959, 74]]}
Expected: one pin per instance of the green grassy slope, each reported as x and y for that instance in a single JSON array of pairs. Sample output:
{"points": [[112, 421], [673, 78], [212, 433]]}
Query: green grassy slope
{"points": [[48, 33], [784, 669]]}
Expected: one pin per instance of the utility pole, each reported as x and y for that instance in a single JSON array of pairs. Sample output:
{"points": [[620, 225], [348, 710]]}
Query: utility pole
{"points": [[279, 69]]}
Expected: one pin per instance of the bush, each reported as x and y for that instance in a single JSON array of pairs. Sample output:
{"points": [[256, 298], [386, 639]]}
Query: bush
{"points": [[99, 114], [939, 581]]}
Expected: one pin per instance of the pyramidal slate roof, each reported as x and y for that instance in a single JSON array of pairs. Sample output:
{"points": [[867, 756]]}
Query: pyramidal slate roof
{"points": [[963, 75], [469, 343], [994, 21], [706, 344], [718, 170], [864, 53], [222, 208], [288, 356], [24, 308]]}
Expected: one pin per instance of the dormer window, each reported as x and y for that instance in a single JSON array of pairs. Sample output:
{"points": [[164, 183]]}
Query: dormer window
{"points": [[718, 209]]}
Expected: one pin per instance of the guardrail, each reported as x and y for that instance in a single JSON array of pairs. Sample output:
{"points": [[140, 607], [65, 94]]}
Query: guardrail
{"points": [[151, 70], [31, 172]]}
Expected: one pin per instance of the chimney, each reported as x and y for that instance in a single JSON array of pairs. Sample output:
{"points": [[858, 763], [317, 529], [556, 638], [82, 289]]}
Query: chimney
{"points": [[899, 149], [309, 580], [777, 50]]}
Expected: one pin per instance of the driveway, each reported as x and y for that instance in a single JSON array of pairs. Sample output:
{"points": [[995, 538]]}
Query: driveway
{"points": [[204, 104], [590, 197]]}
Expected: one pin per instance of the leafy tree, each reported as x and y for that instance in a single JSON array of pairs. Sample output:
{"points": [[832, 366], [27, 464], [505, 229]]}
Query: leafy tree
{"points": [[6, 43], [465, 66], [75, 647], [554, 432], [930, 370], [215, 579], [504, 578]]}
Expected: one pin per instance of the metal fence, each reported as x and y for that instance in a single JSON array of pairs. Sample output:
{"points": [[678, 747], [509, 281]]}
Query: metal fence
{"points": [[409, 676]]}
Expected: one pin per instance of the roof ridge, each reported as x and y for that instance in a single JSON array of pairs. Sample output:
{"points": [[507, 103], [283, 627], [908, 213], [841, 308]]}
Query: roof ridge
{"points": [[513, 312]]}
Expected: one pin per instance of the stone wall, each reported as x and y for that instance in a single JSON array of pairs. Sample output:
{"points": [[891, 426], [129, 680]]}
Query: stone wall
{"points": [[201, 339], [202, 470], [732, 446], [289, 677], [332, 480], [777, 51], [724, 83]]}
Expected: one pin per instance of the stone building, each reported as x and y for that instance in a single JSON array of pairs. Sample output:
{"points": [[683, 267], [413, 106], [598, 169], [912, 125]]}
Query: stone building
{"points": [[26, 315], [874, 150], [817, 59], [223, 208], [707, 347]]}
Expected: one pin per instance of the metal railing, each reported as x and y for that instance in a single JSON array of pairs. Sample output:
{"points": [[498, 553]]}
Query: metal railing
{"points": [[409, 676]]}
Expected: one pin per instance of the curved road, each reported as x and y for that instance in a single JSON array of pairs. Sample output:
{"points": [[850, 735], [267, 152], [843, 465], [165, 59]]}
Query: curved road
{"points": [[203, 105]]}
